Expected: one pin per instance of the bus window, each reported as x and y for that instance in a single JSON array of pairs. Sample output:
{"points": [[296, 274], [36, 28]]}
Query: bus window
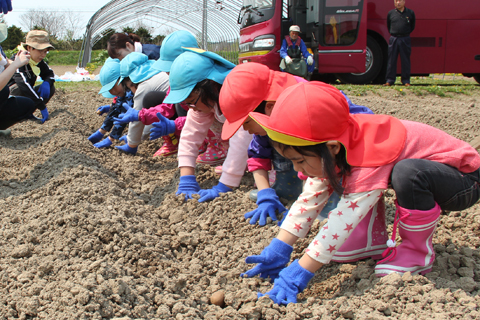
{"points": [[255, 11], [341, 21]]}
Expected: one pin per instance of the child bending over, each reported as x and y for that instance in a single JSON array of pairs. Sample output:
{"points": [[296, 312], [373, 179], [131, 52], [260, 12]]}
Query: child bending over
{"points": [[428, 169]]}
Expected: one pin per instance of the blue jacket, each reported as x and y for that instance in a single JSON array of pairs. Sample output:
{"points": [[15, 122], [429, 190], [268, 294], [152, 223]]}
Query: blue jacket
{"points": [[284, 49], [151, 50]]}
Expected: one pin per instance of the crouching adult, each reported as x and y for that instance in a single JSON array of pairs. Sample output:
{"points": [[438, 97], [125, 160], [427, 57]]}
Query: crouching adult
{"points": [[23, 81]]}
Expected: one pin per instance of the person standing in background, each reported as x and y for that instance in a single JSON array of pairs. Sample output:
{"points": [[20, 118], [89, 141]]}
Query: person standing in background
{"points": [[400, 23]]}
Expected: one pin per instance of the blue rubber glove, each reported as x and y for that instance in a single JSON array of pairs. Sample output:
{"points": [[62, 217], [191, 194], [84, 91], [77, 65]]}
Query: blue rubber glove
{"points": [[123, 138], [355, 108], [210, 194], [129, 116], [45, 115], [291, 281], [44, 90], [188, 186], [5, 6], [95, 137], [103, 109], [285, 214], [162, 128], [271, 261], [268, 202], [103, 144], [126, 148]]}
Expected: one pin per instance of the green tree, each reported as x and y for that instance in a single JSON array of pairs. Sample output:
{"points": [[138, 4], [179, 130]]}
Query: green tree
{"points": [[145, 36], [128, 30], [15, 36], [158, 39], [102, 43], [37, 27]]}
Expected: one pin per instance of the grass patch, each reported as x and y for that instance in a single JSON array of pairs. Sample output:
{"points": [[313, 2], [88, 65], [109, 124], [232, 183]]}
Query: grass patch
{"points": [[63, 58], [69, 58], [421, 86], [80, 86], [357, 89]]}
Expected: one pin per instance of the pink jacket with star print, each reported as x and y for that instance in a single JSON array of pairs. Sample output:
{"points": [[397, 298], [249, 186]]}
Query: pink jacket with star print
{"points": [[365, 186]]}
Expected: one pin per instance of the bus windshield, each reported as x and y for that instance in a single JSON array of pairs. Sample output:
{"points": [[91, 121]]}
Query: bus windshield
{"points": [[255, 11]]}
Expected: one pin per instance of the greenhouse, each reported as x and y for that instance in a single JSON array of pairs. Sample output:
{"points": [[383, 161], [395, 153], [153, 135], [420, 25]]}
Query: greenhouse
{"points": [[214, 22]]}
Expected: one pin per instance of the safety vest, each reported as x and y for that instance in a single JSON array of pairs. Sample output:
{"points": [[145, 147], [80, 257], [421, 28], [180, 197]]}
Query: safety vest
{"points": [[293, 52]]}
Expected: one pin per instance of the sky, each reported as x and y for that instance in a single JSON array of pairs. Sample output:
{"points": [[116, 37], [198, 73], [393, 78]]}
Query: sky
{"points": [[84, 8]]}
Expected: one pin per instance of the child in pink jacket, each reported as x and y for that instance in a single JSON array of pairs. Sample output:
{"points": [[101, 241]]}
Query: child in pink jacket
{"points": [[428, 169], [196, 77]]}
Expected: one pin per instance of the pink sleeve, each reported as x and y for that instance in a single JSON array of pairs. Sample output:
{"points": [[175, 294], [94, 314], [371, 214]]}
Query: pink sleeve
{"points": [[236, 161], [255, 164], [149, 116], [192, 136], [179, 124]]}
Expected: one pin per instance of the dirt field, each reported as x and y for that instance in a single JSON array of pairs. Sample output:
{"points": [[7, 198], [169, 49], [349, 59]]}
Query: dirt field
{"points": [[96, 234]]}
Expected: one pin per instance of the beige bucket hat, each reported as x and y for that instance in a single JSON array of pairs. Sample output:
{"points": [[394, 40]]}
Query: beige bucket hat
{"points": [[294, 28], [38, 39]]}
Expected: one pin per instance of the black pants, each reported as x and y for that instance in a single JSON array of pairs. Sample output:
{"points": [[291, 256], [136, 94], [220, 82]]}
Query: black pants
{"points": [[396, 46], [420, 183], [15, 91], [13, 109]]}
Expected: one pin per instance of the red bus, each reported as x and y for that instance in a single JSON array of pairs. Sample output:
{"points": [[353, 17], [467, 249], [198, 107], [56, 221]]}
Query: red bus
{"points": [[349, 38]]}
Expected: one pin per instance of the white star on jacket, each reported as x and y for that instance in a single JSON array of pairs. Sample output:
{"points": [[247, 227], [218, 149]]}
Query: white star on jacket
{"points": [[341, 221]]}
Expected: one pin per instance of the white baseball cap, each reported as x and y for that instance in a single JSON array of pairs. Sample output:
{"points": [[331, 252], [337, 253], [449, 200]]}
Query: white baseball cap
{"points": [[294, 28]]}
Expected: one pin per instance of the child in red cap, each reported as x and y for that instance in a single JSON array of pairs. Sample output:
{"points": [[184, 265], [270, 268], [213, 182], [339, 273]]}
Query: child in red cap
{"points": [[428, 169], [254, 87]]}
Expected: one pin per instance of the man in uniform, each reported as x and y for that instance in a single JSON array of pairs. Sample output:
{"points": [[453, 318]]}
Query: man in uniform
{"points": [[400, 23]]}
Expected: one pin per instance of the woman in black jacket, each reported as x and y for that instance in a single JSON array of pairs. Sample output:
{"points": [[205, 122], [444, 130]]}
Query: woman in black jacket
{"points": [[23, 81], [13, 109]]}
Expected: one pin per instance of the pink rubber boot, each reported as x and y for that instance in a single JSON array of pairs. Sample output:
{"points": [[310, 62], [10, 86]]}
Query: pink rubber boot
{"points": [[415, 253], [369, 238], [169, 147], [216, 150]]}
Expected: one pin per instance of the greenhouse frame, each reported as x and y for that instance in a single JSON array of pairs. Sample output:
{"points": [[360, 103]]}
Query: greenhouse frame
{"points": [[213, 22]]}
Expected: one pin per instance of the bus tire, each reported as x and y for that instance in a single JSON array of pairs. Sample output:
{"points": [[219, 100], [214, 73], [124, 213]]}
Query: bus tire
{"points": [[373, 67], [477, 77]]}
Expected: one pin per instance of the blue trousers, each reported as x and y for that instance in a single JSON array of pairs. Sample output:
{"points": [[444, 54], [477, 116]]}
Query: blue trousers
{"points": [[420, 183], [396, 46]]}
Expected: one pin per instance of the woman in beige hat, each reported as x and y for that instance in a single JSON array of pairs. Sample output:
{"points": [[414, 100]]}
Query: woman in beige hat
{"points": [[23, 81], [12, 109]]}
